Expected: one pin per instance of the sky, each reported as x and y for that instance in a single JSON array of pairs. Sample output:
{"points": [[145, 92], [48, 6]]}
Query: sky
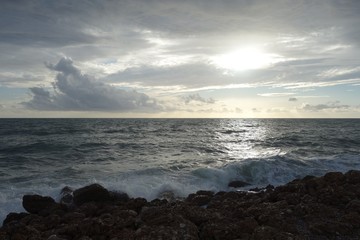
{"points": [[174, 59]]}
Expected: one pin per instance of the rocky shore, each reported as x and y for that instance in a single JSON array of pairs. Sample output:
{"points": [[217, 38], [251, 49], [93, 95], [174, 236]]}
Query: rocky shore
{"points": [[326, 207]]}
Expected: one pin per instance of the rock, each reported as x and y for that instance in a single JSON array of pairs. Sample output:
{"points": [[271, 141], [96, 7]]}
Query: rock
{"points": [[14, 217], [66, 196], [206, 193], [264, 232], [198, 200], [334, 177], [119, 196], [136, 204], [169, 196], [91, 193], [55, 237], [238, 184], [168, 226], [353, 176], [36, 203], [267, 188]]}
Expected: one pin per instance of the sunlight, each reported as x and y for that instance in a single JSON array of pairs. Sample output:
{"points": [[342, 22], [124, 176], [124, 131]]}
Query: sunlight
{"points": [[245, 59]]}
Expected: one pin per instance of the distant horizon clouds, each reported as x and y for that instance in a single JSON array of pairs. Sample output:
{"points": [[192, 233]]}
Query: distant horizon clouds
{"points": [[179, 59]]}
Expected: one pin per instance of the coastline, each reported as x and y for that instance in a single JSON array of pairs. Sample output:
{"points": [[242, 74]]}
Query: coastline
{"points": [[326, 207]]}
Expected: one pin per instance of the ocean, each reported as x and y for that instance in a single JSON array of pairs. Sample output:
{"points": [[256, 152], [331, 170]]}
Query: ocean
{"points": [[146, 157]]}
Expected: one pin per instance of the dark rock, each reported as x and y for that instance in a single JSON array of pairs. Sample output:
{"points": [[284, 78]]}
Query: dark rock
{"points": [[66, 196], [91, 193], [136, 204], [205, 193], [119, 196], [158, 202], [353, 176], [223, 229], [334, 177], [353, 206], [89, 209], [36, 203], [11, 217], [168, 226], [264, 232], [198, 200], [238, 184]]}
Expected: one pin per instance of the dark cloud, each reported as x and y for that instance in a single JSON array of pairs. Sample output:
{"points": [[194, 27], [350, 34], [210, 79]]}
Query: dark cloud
{"points": [[74, 91], [293, 99]]}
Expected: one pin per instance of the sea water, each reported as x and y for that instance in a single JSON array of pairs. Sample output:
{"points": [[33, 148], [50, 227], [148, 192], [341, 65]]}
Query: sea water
{"points": [[146, 157]]}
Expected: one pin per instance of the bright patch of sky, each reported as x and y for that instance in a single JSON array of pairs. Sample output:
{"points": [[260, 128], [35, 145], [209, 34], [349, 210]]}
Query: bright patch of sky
{"points": [[179, 58]]}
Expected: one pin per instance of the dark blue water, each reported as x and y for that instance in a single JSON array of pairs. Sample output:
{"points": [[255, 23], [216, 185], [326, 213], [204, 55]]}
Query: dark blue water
{"points": [[145, 157]]}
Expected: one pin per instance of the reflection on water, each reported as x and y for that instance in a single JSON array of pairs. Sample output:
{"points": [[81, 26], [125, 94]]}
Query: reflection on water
{"points": [[240, 139]]}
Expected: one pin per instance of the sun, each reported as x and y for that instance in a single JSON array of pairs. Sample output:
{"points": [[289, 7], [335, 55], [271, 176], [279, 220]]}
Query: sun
{"points": [[245, 59]]}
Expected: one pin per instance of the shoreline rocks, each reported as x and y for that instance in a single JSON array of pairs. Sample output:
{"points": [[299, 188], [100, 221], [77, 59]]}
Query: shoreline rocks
{"points": [[326, 207]]}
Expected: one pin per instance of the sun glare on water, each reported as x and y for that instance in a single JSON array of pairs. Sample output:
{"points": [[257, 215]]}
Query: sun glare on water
{"points": [[245, 59]]}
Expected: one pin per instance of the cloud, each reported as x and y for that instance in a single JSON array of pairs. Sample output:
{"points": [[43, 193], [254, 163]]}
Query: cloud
{"points": [[238, 110], [168, 48], [275, 94], [330, 106], [75, 91], [293, 99], [197, 99]]}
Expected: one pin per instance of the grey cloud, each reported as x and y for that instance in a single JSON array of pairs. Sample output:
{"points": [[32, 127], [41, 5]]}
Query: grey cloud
{"points": [[191, 75], [332, 106], [197, 99], [74, 91], [293, 99], [12, 80]]}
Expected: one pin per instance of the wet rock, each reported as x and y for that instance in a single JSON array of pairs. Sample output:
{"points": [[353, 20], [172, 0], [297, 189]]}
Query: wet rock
{"points": [[267, 188], [119, 196], [66, 196], [198, 199], [238, 184], [205, 193], [169, 196], [91, 193], [36, 203]]}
